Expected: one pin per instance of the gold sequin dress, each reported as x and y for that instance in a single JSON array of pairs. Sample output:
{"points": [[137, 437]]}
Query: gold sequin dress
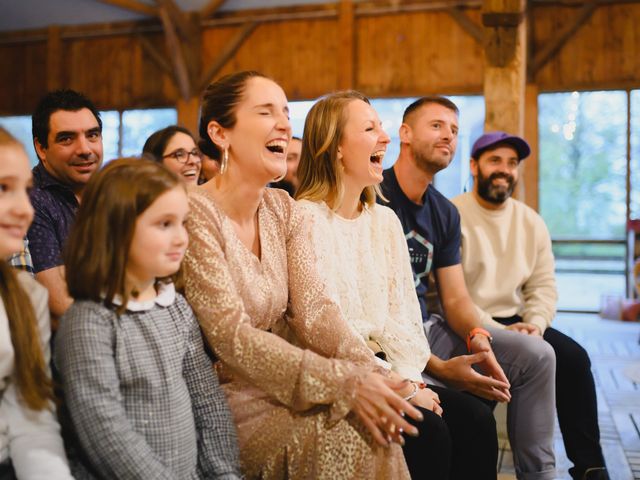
{"points": [[289, 364]]}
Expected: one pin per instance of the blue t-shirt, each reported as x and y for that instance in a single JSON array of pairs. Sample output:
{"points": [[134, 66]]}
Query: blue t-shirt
{"points": [[432, 231]]}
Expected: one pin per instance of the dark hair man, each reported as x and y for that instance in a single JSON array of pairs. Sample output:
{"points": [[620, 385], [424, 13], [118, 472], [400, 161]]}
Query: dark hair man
{"points": [[67, 136]]}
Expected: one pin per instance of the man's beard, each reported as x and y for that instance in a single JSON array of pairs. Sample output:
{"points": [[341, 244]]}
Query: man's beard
{"points": [[492, 193], [427, 161]]}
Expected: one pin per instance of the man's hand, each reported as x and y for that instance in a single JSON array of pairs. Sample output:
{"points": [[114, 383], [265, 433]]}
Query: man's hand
{"points": [[525, 328], [458, 372], [490, 366]]}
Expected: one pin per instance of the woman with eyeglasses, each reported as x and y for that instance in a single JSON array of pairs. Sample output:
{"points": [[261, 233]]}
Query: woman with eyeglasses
{"points": [[176, 149]]}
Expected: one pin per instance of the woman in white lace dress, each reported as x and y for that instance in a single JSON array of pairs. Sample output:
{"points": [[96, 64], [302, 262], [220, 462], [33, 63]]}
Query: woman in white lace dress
{"points": [[362, 254]]}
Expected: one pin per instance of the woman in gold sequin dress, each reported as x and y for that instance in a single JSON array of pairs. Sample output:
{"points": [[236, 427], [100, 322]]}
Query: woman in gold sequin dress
{"points": [[305, 392]]}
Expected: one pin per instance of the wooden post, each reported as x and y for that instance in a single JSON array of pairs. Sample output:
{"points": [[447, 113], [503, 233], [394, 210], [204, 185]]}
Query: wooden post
{"points": [[505, 48], [346, 46], [189, 113], [530, 168], [54, 58], [505, 64]]}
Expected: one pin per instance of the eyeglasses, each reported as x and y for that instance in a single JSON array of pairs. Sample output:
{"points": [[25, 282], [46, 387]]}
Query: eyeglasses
{"points": [[182, 156]]}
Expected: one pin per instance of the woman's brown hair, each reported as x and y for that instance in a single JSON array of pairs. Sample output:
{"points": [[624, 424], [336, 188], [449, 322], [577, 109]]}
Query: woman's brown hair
{"points": [[98, 247], [219, 102], [319, 171], [31, 374]]}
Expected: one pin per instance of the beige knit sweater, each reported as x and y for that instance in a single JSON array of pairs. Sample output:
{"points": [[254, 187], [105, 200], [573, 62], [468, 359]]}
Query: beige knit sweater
{"points": [[507, 261]]}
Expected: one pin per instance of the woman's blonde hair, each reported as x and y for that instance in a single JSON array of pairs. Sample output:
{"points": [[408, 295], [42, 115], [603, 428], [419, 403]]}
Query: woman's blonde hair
{"points": [[30, 372], [320, 171]]}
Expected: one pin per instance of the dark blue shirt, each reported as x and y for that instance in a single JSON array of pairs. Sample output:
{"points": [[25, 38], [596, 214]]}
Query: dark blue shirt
{"points": [[432, 231], [55, 208]]}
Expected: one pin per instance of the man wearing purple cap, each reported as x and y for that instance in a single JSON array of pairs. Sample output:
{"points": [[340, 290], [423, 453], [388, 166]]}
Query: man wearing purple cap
{"points": [[509, 270], [491, 363]]}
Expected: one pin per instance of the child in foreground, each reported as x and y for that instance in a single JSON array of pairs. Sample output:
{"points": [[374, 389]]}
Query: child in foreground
{"points": [[30, 442], [140, 392]]}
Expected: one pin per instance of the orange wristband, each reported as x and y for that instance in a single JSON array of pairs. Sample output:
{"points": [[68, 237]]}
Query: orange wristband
{"points": [[474, 332]]}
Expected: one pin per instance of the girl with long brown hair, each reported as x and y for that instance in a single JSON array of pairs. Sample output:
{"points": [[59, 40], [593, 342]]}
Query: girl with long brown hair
{"points": [[30, 443], [142, 397]]}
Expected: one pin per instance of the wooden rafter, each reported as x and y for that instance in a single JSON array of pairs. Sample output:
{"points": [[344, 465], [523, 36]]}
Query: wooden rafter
{"points": [[179, 19], [468, 25], [556, 43], [156, 56], [134, 6], [211, 8], [175, 51], [229, 51], [531, 30]]}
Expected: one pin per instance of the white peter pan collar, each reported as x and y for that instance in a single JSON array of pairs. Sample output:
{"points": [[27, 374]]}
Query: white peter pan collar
{"points": [[166, 296]]}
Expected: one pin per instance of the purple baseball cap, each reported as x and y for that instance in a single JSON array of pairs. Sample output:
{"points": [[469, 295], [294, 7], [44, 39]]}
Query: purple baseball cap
{"points": [[491, 139]]}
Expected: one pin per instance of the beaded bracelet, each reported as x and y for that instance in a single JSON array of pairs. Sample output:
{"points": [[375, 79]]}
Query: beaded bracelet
{"points": [[413, 393]]}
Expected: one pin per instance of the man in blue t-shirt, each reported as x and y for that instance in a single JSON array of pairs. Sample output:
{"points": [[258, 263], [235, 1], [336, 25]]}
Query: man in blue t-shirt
{"points": [[494, 364]]}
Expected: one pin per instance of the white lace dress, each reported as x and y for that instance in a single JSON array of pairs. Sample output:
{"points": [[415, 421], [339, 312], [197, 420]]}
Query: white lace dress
{"points": [[365, 263]]}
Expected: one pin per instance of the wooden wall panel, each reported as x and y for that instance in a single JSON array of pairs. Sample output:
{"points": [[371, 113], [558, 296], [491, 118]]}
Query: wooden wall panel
{"points": [[417, 54], [300, 54], [113, 73], [396, 54], [22, 77], [604, 52]]}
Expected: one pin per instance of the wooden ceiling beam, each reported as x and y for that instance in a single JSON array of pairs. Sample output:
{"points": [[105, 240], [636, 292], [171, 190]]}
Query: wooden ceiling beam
{"points": [[134, 6], [211, 8], [468, 25], [554, 45], [175, 52], [180, 20], [225, 55]]}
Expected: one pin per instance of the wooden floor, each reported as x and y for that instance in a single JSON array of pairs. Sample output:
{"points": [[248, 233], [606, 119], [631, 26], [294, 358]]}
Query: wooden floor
{"points": [[615, 356]]}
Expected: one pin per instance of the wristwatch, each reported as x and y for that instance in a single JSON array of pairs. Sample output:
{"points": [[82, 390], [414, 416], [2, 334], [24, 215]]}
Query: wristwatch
{"points": [[474, 332]]}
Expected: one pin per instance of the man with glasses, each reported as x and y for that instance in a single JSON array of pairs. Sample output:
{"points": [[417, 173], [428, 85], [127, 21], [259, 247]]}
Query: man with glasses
{"points": [[67, 136]]}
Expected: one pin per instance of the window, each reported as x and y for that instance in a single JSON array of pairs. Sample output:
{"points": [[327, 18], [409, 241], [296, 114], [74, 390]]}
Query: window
{"points": [[583, 162], [138, 125], [20, 127], [635, 154], [123, 133], [451, 181]]}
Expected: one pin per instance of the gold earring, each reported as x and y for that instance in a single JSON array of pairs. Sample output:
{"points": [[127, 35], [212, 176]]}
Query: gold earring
{"points": [[225, 161]]}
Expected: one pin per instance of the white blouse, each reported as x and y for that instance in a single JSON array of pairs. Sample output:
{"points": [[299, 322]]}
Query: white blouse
{"points": [[31, 438], [365, 263]]}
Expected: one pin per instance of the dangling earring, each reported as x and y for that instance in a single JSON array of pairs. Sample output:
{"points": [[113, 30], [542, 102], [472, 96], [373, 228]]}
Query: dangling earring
{"points": [[225, 161]]}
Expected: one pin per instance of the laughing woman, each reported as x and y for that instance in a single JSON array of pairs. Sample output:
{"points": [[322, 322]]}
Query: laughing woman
{"points": [[362, 255], [305, 392], [175, 148]]}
